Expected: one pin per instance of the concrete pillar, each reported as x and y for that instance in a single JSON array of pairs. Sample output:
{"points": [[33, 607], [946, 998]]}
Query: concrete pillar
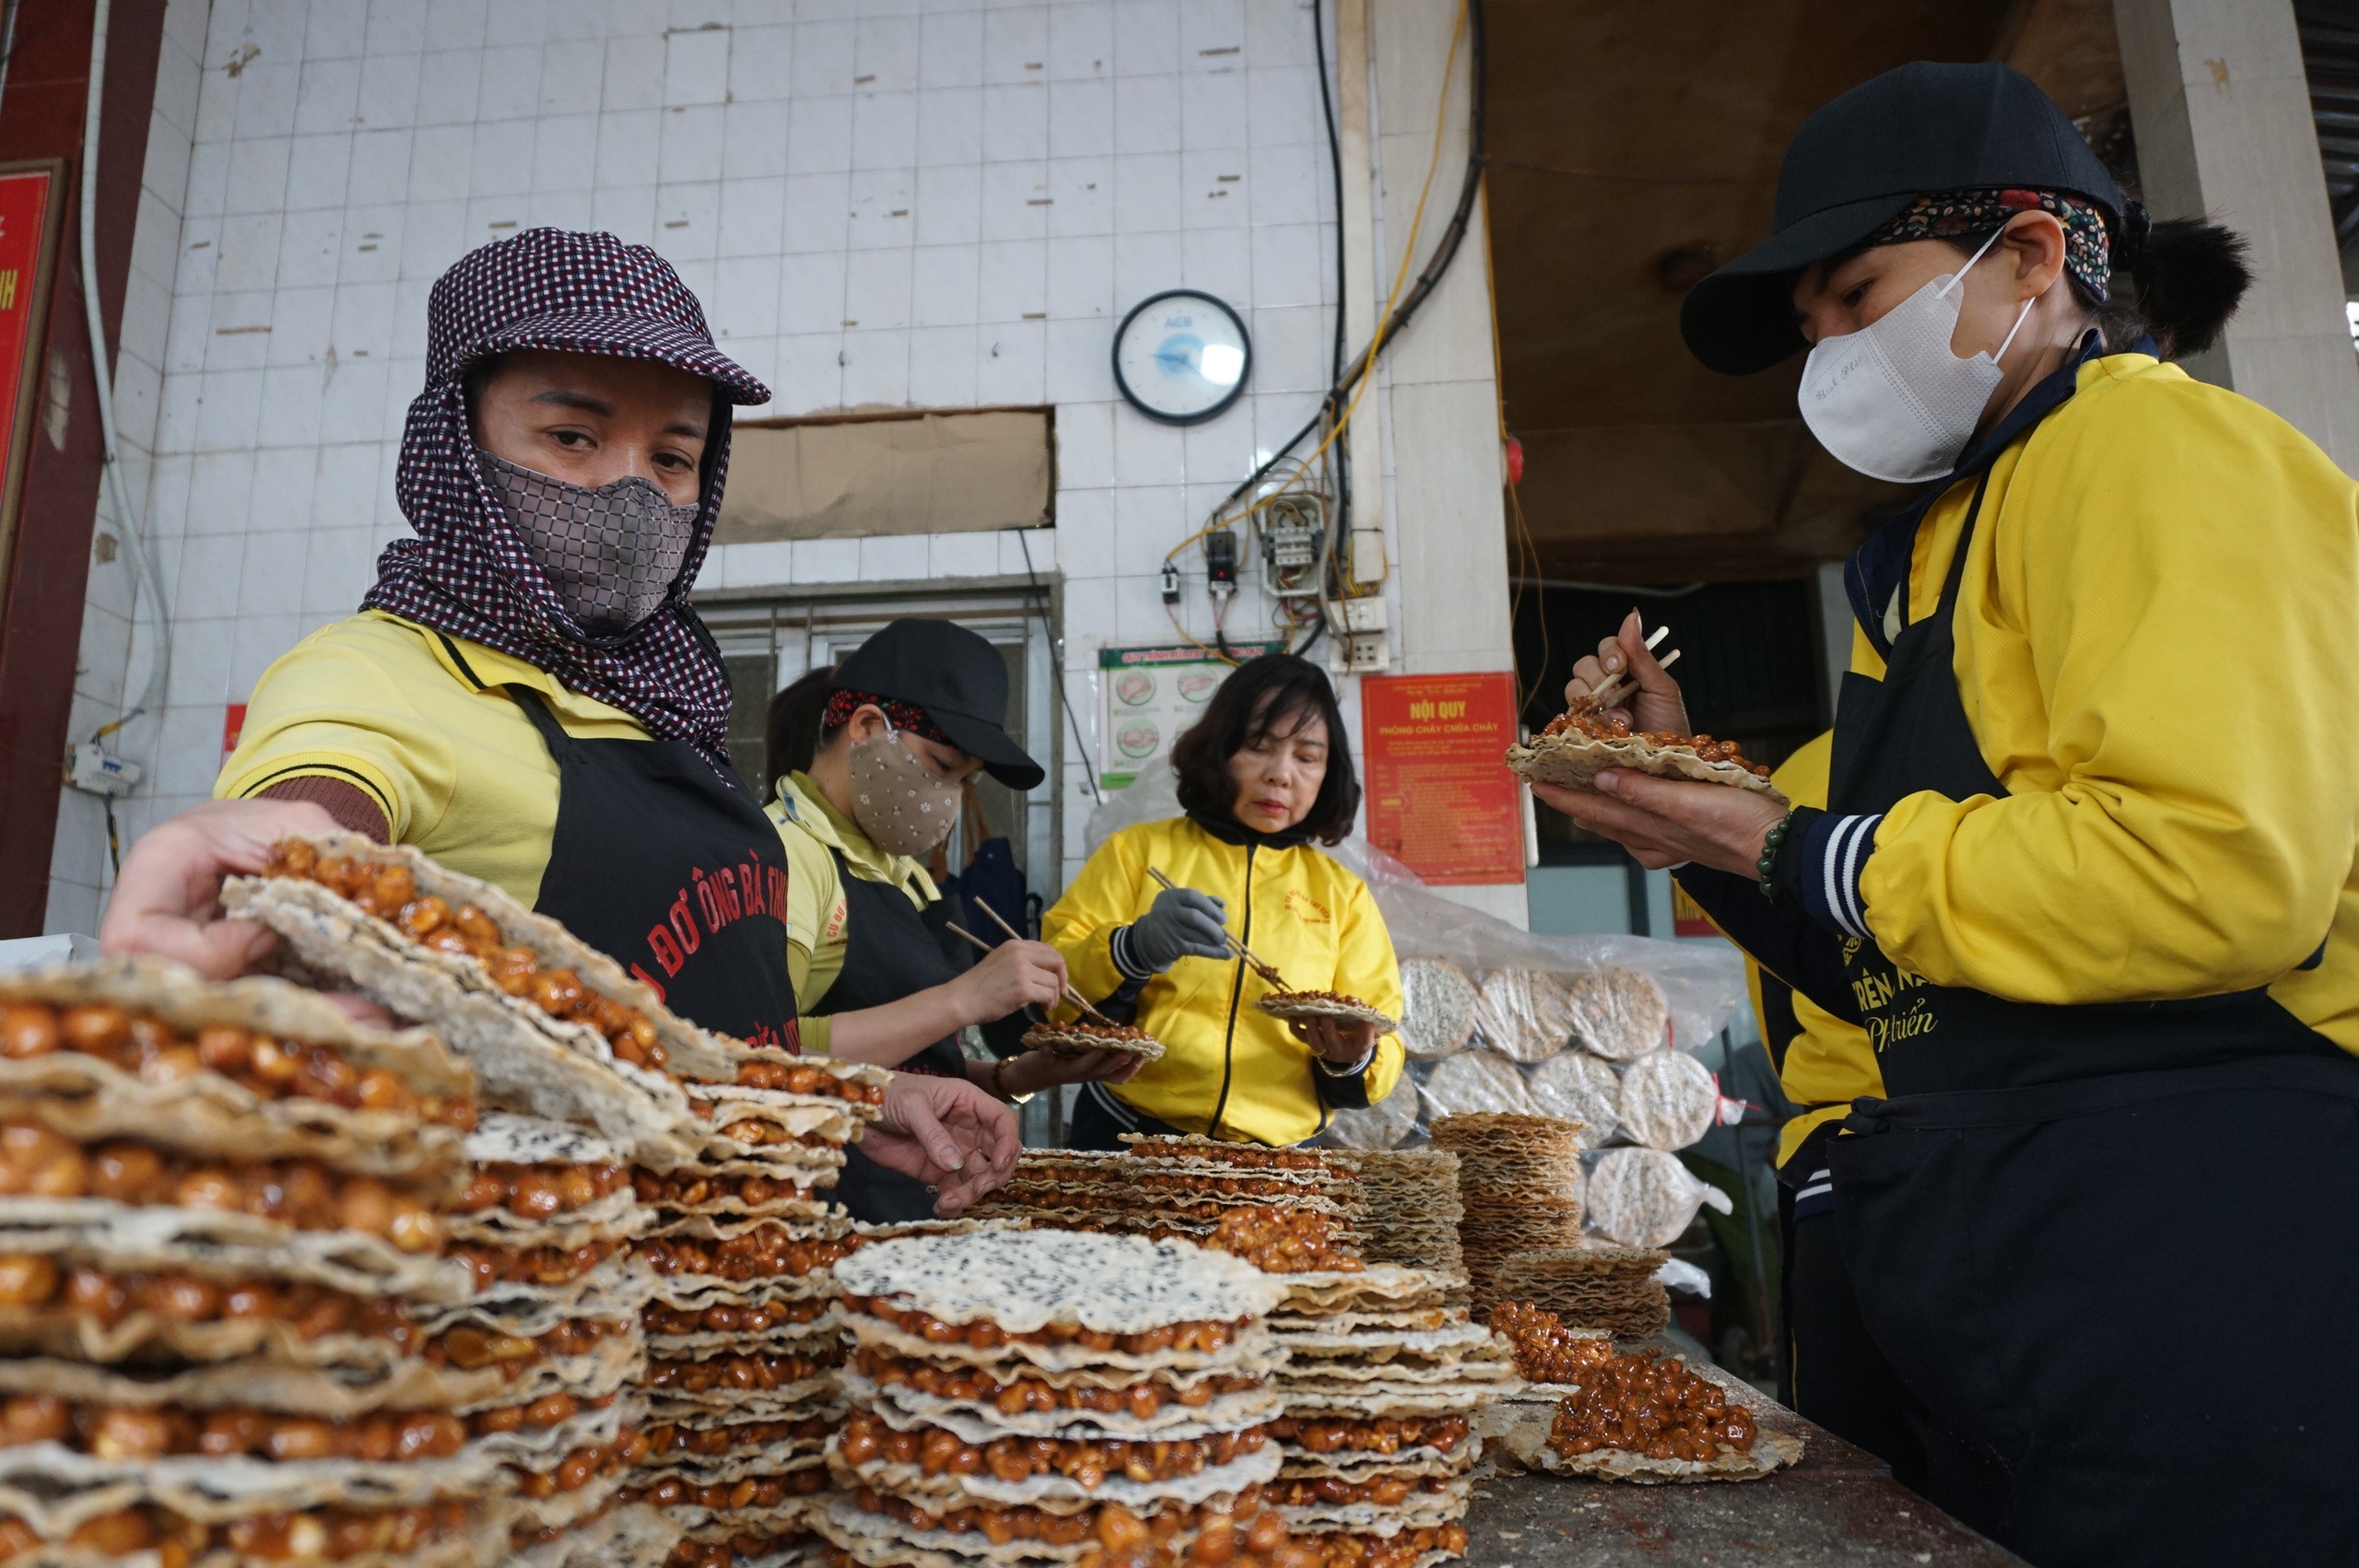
{"points": [[2222, 112], [1444, 516]]}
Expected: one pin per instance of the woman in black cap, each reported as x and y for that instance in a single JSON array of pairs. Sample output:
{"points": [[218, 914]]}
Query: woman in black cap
{"points": [[526, 694], [910, 717], [2087, 876]]}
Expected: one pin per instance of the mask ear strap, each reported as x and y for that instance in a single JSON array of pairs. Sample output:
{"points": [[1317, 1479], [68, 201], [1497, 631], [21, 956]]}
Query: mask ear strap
{"points": [[1959, 275], [2021, 317]]}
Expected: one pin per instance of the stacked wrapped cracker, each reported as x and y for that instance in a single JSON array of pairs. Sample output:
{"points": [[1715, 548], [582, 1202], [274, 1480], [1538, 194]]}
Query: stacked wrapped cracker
{"points": [[223, 1280], [743, 1331], [1052, 1396], [1412, 1207], [1384, 1378], [1281, 1209], [727, 1249]]}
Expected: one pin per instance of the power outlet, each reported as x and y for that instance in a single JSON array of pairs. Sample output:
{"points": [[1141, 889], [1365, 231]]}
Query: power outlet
{"points": [[95, 770]]}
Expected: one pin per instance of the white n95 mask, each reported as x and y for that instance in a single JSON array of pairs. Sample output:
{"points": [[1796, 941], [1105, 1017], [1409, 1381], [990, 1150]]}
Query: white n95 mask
{"points": [[1891, 400]]}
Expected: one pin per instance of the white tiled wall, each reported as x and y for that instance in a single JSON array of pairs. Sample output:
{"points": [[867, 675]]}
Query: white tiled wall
{"points": [[933, 202], [111, 656]]}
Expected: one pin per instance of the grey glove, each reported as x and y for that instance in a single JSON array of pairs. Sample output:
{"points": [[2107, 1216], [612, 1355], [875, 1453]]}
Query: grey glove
{"points": [[1182, 923]]}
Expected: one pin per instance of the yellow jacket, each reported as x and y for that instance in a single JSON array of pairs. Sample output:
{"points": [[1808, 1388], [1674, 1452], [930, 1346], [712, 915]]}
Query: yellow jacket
{"points": [[1228, 1069], [2158, 653], [1826, 1063]]}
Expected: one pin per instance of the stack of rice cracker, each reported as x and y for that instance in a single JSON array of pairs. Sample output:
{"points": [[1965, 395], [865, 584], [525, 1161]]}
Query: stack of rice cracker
{"points": [[727, 1273], [1029, 1399], [1282, 1210], [223, 1281], [1385, 1374], [1412, 1209], [1520, 1180], [1595, 1285]]}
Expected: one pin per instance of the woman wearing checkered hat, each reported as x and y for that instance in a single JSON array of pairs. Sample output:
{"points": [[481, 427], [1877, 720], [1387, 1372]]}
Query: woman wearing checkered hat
{"points": [[526, 694]]}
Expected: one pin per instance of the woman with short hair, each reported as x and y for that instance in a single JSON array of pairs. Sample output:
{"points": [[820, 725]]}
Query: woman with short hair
{"points": [[1264, 774]]}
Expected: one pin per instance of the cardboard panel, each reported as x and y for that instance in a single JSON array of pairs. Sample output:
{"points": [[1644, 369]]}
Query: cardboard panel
{"points": [[919, 473]]}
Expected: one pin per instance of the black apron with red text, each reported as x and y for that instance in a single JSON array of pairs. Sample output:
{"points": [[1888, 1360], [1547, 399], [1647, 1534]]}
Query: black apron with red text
{"points": [[675, 873], [889, 952], [2109, 1250]]}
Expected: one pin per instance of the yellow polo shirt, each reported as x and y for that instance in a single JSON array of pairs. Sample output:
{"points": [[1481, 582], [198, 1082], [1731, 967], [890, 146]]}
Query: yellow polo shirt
{"points": [[817, 913], [415, 719]]}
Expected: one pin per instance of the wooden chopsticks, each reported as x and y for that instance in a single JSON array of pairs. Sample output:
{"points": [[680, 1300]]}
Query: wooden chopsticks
{"points": [[1615, 682], [1072, 995], [1252, 959]]}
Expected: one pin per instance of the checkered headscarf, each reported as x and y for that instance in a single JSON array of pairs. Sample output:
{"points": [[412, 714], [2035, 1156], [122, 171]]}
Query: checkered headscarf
{"points": [[469, 572]]}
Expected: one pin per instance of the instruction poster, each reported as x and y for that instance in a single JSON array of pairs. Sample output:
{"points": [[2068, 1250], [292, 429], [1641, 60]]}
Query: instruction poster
{"points": [[1150, 696], [1440, 797]]}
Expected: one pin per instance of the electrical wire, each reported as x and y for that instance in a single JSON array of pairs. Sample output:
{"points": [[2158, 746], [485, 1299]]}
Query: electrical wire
{"points": [[1399, 306], [118, 490], [1088, 767], [1342, 396]]}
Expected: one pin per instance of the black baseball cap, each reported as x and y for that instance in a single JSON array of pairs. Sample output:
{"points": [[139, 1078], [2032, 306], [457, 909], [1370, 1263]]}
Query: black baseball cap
{"points": [[960, 680], [1915, 130]]}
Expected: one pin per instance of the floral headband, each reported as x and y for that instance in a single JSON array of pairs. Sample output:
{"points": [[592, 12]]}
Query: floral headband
{"points": [[844, 702], [1949, 214]]}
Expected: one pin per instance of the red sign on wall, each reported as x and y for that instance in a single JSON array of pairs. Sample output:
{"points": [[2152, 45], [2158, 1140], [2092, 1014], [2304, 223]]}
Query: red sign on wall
{"points": [[27, 246], [1439, 797]]}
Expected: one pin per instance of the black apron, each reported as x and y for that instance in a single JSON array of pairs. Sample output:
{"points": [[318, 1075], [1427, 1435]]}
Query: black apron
{"points": [[889, 952], [675, 873], [2109, 1250]]}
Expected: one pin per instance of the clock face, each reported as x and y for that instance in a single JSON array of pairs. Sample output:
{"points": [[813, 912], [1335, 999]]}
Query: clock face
{"points": [[1181, 356]]}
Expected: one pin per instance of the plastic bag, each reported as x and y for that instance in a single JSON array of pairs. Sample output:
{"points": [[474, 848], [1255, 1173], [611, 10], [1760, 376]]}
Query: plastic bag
{"points": [[1703, 984], [1646, 1197]]}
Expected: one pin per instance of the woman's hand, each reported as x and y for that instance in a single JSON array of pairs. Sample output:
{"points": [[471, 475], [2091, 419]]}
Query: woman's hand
{"points": [[1336, 1041], [1012, 975], [168, 899], [1672, 822], [946, 1133], [1656, 705], [1035, 1070]]}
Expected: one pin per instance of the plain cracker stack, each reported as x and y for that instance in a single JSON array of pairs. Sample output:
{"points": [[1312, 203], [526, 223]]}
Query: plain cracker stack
{"points": [[1412, 1207], [1280, 1209], [1519, 1179], [1040, 1398], [1384, 1379], [1596, 1285], [223, 1211]]}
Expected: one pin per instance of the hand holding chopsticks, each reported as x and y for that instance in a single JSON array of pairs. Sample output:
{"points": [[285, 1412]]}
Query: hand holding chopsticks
{"points": [[1238, 948], [1072, 995], [1612, 687]]}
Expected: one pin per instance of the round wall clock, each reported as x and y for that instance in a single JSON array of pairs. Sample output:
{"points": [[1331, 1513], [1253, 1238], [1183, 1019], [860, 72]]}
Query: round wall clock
{"points": [[1181, 356]]}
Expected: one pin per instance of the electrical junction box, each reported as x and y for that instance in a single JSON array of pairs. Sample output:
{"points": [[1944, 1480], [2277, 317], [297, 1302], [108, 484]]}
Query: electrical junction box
{"points": [[94, 770], [1364, 615]]}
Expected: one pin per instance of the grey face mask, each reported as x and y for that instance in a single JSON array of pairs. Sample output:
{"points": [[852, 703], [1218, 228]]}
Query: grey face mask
{"points": [[612, 553]]}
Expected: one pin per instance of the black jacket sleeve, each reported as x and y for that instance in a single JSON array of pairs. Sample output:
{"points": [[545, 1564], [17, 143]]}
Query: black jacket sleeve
{"points": [[1781, 938]]}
